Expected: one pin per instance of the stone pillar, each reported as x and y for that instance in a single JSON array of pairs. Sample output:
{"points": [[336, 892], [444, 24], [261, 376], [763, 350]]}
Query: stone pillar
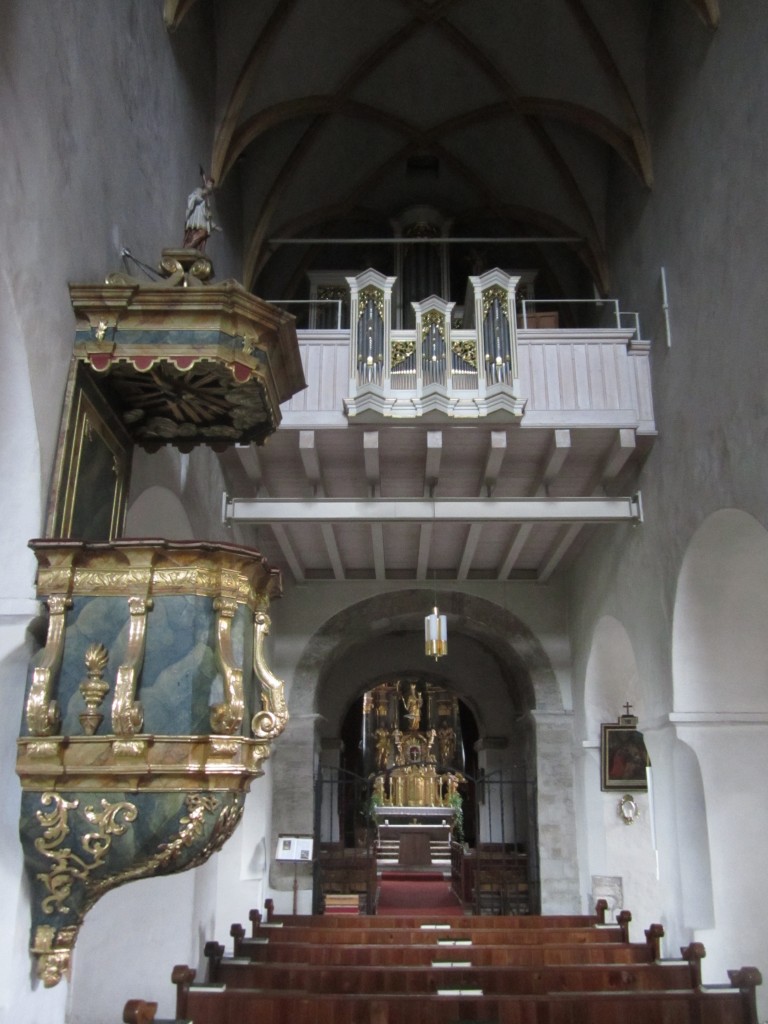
{"points": [[293, 798], [556, 819]]}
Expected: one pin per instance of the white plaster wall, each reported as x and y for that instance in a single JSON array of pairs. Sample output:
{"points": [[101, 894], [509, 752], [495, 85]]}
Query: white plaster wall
{"points": [[609, 846], [105, 120], [704, 222]]}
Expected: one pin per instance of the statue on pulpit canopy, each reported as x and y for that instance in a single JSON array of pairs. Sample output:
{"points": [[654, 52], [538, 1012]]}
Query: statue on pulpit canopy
{"points": [[199, 218], [412, 704]]}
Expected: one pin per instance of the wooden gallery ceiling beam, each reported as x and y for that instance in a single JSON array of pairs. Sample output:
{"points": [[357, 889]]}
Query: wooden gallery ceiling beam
{"points": [[250, 461], [432, 510], [622, 448], [310, 459], [497, 448], [373, 480], [559, 448], [431, 477]]}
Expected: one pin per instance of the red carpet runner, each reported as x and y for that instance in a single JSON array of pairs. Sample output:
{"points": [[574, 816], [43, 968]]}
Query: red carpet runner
{"points": [[414, 893]]}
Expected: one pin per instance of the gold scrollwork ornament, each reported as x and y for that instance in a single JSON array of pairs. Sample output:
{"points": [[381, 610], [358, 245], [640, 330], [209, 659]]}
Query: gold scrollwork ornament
{"points": [[127, 713], [43, 716], [495, 294], [227, 717], [69, 867], [271, 720]]}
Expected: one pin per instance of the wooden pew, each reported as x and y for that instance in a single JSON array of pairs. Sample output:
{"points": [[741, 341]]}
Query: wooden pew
{"points": [[420, 980], [387, 956], [308, 974], [346, 932], [222, 1005], [270, 919]]}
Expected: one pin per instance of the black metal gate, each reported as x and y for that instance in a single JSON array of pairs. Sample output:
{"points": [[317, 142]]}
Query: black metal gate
{"points": [[494, 863], [505, 849]]}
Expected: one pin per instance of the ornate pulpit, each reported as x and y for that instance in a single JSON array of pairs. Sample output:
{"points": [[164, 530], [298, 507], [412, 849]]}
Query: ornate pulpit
{"points": [[150, 708]]}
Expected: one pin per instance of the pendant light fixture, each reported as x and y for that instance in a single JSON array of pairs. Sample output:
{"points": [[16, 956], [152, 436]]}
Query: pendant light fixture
{"points": [[435, 635]]}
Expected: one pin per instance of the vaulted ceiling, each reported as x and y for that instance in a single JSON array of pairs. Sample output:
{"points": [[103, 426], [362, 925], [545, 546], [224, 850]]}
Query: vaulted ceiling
{"points": [[514, 121], [507, 116]]}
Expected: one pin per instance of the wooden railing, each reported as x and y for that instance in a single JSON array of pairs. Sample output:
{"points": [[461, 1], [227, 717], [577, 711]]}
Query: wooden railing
{"points": [[567, 378]]}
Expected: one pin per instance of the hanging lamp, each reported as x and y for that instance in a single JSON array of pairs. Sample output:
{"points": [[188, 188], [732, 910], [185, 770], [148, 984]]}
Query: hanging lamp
{"points": [[435, 635]]}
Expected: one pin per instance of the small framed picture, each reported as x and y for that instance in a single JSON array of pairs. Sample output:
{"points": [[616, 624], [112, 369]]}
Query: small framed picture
{"points": [[623, 758]]}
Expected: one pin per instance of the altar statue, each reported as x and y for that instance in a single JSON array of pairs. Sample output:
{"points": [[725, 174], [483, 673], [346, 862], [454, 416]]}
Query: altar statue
{"points": [[412, 704], [447, 738], [397, 739], [430, 742], [382, 747]]}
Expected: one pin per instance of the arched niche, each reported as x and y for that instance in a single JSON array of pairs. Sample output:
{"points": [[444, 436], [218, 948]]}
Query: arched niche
{"points": [[157, 511], [720, 640], [611, 676], [619, 857], [720, 662], [692, 840]]}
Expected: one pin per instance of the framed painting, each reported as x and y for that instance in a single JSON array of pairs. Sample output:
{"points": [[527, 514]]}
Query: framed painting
{"points": [[623, 758]]}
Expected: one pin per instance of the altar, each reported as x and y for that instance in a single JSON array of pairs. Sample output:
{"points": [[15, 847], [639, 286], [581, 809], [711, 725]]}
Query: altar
{"points": [[414, 829]]}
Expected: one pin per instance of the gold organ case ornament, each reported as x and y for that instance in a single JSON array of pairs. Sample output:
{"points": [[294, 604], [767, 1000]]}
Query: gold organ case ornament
{"points": [[373, 295], [495, 294]]}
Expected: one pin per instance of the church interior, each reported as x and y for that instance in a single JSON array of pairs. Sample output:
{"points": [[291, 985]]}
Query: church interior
{"points": [[384, 418]]}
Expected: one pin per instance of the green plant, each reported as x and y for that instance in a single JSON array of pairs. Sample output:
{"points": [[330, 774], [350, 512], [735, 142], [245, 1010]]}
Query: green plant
{"points": [[457, 829], [368, 810]]}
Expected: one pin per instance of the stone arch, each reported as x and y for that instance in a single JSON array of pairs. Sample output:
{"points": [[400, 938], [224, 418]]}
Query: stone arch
{"points": [[519, 711], [393, 623], [719, 639]]}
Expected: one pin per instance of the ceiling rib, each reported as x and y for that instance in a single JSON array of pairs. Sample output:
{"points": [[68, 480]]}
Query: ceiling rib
{"points": [[605, 58], [708, 11], [596, 258]]}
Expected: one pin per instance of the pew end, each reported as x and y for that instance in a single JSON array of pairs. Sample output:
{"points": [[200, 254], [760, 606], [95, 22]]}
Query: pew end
{"points": [[139, 1011], [746, 980]]}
